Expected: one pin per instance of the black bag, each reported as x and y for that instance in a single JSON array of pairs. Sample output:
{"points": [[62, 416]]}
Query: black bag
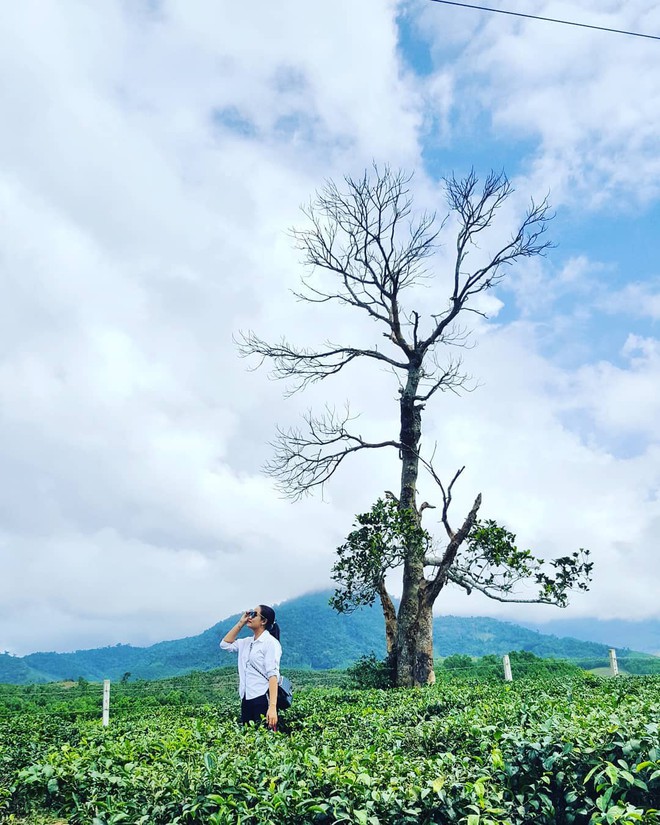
{"points": [[284, 693]]}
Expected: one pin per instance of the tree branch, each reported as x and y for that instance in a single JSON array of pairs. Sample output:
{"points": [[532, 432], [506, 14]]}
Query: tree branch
{"points": [[451, 379], [302, 462], [451, 551], [446, 493], [354, 235], [468, 585], [476, 212], [305, 366], [494, 565]]}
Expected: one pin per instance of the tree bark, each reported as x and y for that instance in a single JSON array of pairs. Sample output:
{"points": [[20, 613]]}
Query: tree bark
{"points": [[414, 664], [414, 631], [411, 431], [389, 613], [423, 673]]}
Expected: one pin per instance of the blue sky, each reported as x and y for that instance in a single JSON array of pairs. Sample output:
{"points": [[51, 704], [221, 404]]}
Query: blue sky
{"points": [[620, 236], [157, 157]]}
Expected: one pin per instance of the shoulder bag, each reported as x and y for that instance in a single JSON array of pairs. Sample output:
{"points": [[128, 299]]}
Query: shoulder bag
{"points": [[284, 689]]}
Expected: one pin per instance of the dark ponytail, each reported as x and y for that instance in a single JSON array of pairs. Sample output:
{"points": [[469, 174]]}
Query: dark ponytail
{"points": [[271, 625]]}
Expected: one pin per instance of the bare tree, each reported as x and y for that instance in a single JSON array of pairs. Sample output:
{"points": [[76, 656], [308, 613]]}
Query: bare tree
{"points": [[365, 249]]}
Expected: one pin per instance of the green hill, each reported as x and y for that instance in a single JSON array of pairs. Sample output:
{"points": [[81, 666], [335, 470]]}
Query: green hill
{"points": [[313, 636], [15, 671]]}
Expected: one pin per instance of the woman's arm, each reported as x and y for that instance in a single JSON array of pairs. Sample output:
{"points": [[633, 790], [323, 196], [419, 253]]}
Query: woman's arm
{"points": [[230, 636], [271, 714], [272, 666]]}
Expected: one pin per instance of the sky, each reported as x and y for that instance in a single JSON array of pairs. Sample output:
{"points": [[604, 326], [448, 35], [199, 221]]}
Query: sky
{"points": [[154, 156]]}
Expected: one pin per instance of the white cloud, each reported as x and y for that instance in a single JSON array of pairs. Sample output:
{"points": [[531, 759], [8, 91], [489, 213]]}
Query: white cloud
{"points": [[640, 299], [141, 232], [538, 287], [586, 98], [560, 487], [624, 400], [154, 162]]}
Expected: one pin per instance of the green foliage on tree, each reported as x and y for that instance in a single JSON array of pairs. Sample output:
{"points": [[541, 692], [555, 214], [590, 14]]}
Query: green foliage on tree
{"points": [[491, 562], [487, 560], [380, 542]]}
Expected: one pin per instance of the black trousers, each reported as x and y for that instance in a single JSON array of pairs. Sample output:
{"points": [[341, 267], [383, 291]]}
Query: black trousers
{"points": [[254, 710]]}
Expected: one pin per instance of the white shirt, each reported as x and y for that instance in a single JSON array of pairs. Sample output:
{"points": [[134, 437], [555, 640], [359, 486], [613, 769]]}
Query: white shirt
{"points": [[258, 660]]}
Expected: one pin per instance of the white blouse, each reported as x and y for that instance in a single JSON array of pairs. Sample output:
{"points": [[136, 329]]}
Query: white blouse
{"points": [[258, 660]]}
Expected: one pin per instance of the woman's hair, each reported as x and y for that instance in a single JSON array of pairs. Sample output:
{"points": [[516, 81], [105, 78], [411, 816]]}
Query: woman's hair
{"points": [[271, 625]]}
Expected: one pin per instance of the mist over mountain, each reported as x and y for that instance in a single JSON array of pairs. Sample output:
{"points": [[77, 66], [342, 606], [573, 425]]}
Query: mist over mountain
{"points": [[618, 633], [314, 636]]}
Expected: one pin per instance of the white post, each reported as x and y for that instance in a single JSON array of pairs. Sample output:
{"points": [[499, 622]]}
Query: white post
{"points": [[507, 668], [614, 667], [106, 702]]}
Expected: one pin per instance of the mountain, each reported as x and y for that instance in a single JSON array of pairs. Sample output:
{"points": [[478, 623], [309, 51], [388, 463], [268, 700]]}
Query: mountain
{"points": [[14, 671], [618, 633], [313, 636]]}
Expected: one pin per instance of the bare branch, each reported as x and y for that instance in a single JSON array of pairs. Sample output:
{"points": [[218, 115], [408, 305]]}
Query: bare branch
{"points": [[305, 366], [450, 378], [446, 493], [525, 243], [476, 211], [355, 234], [469, 585], [457, 539], [303, 461]]}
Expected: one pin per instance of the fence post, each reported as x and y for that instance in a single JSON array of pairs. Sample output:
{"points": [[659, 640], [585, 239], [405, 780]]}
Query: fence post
{"points": [[507, 668], [614, 667], [106, 702]]}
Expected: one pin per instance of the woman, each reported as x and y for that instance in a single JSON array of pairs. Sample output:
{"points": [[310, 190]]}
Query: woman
{"points": [[258, 664]]}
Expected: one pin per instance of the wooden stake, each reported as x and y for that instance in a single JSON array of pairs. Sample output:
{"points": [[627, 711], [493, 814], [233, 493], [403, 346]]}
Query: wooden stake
{"points": [[106, 702], [507, 668], [614, 667]]}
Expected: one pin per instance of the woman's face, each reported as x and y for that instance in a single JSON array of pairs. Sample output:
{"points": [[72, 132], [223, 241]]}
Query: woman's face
{"points": [[254, 622]]}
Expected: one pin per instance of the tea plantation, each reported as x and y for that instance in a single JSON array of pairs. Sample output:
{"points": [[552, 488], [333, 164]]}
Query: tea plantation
{"points": [[546, 750]]}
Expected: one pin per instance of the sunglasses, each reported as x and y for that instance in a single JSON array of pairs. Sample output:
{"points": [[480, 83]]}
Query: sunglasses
{"points": [[251, 614]]}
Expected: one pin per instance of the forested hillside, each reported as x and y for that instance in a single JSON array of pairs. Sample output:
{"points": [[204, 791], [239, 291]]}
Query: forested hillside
{"points": [[331, 640]]}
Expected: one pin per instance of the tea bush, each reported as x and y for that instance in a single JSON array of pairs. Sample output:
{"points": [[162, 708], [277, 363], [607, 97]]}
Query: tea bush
{"points": [[567, 751]]}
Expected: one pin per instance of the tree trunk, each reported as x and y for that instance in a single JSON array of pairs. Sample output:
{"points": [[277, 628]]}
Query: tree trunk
{"points": [[423, 673], [407, 630], [414, 643], [411, 431], [389, 613]]}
